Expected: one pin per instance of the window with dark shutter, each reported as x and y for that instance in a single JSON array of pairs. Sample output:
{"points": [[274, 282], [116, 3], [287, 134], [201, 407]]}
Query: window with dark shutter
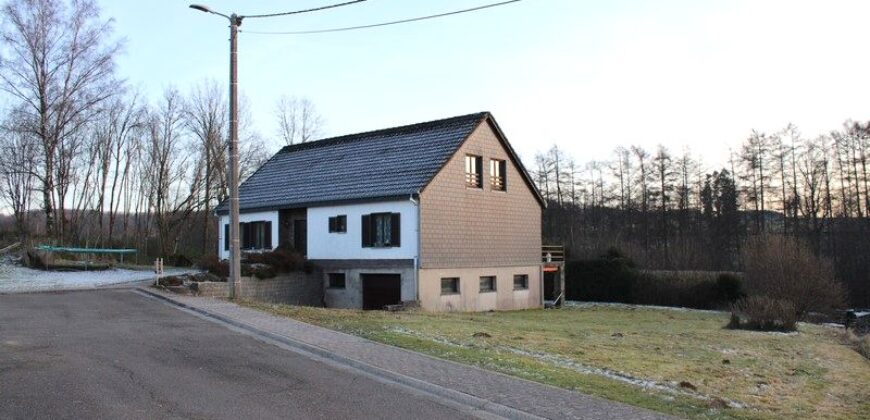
{"points": [[227, 237], [382, 230], [268, 236], [366, 230], [395, 229], [244, 236]]}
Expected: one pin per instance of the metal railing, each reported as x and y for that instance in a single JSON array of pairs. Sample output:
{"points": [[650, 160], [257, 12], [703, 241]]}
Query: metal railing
{"points": [[552, 253], [472, 180]]}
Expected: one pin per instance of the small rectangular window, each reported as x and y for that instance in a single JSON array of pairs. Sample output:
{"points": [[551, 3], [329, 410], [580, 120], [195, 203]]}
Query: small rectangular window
{"points": [[521, 281], [450, 286], [336, 280], [497, 180], [487, 284], [473, 171], [338, 224]]}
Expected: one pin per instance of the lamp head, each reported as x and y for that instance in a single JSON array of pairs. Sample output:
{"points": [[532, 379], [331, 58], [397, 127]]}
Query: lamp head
{"points": [[200, 7]]}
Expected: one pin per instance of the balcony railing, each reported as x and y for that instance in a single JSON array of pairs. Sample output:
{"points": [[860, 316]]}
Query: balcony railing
{"points": [[552, 253], [472, 180], [496, 183]]}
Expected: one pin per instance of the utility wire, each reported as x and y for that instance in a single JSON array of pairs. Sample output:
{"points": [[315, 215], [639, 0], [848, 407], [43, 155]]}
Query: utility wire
{"points": [[296, 12], [395, 22]]}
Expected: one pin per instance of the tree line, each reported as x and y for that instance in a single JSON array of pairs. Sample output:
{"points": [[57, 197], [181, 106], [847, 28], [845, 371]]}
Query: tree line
{"points": [[668, 211], [85, 159]]}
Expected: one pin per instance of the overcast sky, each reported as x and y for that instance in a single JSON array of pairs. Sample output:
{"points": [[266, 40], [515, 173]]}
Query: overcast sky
{"points": [[586, 75]]}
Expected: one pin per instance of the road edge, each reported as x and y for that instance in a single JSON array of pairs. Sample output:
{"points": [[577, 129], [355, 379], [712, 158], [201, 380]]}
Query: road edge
{"points": [[432, 390]]}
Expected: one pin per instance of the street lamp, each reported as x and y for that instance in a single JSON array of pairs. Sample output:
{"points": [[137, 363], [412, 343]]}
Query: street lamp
{"points": [[235, 249]]}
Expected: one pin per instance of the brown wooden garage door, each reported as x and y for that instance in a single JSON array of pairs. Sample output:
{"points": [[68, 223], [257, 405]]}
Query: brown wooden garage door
{"points": [[380, 290]]}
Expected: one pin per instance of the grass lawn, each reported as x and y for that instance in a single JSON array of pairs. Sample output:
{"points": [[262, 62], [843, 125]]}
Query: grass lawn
{"points": [[679, 362]]}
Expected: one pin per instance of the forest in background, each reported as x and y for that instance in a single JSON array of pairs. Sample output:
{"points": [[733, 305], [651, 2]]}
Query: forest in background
{"points": [[670, 211]]}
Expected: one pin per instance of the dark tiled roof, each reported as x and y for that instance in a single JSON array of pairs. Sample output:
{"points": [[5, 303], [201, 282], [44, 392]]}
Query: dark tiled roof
{"points": [[366, 166]]}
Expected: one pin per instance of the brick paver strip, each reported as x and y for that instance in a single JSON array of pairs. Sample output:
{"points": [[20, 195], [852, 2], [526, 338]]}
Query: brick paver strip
{"points": [[515, 393]]}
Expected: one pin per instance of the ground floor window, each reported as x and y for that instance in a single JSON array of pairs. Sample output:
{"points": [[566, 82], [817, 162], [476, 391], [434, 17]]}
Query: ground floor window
{"points": [[252, 235], [336, 280], [450, 286], [487, 284], [521, 281]]}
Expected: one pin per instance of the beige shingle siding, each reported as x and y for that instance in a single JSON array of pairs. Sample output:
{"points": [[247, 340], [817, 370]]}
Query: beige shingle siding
{"points": [[468, 227]]}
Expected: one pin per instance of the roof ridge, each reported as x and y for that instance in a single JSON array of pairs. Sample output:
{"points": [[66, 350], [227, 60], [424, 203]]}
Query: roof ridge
{"points": [[347, 138]]}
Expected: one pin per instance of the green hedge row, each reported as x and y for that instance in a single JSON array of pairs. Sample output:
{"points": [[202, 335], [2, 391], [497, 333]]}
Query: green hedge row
{"points": [[614, 278]]}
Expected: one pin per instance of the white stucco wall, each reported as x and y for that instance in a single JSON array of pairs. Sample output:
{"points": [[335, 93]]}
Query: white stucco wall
{"points": [[343, 246], [269, 216]]}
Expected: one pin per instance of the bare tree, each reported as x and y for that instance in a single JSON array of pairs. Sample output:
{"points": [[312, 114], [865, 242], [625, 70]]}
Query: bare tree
{"points": [[18, 155], [298, 120], [59, 63]]}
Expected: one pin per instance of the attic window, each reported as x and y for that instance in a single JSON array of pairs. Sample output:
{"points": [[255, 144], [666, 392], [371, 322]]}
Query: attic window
{"points": [[497, 175], [473, 178]]}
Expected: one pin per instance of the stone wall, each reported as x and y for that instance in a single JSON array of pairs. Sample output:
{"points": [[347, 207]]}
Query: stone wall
{"points": [[296, 288]]}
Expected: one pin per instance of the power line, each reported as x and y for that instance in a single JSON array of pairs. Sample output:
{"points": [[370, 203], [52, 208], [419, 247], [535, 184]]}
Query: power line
{"points": [[296, 12], [395, 22]]}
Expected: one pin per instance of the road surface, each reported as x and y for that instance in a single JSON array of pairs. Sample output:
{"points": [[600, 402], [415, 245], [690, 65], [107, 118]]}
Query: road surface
{"points": [[116, 354]]}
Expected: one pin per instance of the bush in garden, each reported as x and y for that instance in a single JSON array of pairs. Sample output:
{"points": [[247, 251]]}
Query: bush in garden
{"points": [[785, 269], [214, 265], [763, 313]]}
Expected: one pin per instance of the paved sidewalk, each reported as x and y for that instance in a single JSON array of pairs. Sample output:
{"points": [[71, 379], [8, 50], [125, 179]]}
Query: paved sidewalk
{"points": [[490, 391]]}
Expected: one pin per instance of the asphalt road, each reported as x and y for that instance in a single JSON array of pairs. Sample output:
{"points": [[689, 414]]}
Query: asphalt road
{"points": [[116, 354]]}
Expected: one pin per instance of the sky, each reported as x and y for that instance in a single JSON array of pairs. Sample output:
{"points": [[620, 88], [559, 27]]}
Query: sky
{"points": [[585, 75]]}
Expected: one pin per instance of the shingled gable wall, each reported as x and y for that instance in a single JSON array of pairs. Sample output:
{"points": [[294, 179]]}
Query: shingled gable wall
{"points": [[470, 232]]}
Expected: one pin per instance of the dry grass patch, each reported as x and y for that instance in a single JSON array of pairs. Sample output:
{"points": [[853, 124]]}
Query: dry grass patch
{"points": [[680, 362]]}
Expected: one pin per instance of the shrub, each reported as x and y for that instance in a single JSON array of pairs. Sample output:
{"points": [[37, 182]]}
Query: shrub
{"points": [[861, 344], [691, 289], [864, 346], [214, 265], [785, 269], [729, 287], [764, 314], [606, 279], [281, 260], [258, 270]]}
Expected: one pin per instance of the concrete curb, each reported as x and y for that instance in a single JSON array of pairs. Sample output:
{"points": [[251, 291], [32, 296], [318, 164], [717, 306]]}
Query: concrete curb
{"points": [[437, 391]]}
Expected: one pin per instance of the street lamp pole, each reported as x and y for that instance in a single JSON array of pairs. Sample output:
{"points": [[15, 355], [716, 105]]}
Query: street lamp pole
{"points": [[233, 167]]}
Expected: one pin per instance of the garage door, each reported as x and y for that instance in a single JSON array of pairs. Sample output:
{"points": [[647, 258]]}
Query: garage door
{"points": [[380, 290]]}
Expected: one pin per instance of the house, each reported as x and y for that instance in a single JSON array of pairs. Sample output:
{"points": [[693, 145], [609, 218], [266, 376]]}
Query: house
{"points": [[441, 212]]}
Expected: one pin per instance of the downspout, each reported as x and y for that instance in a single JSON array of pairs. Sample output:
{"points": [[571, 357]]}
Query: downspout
{"points": [[416, 203]]}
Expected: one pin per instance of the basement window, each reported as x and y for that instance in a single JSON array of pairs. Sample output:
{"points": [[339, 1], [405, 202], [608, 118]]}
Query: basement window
{"points": [[487, 284], [338, 224], [336, 280], [473, 178], [521, 281], [497, 180], [449, 286]]}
